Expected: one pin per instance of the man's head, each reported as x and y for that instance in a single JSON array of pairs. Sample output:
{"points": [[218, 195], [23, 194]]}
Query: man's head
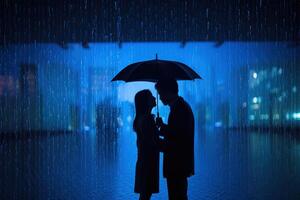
{"points": [[167, 90]]}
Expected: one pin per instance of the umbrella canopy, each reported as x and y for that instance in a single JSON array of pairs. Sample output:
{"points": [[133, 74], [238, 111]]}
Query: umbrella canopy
{"points": [[153, 70]]}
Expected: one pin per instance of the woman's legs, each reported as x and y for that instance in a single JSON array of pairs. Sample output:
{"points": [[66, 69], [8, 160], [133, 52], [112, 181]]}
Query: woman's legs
{"points": [[145, 196]]}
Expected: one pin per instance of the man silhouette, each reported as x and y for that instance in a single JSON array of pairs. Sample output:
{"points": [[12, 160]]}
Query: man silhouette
{"points": [[178, 146]]}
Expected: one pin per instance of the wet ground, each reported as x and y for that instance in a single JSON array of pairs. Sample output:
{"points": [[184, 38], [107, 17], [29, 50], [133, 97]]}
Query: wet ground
{"points": [[229, 165]]}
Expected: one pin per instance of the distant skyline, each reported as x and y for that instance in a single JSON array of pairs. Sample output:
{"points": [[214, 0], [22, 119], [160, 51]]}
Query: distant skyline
{"points": [[63, 75]]}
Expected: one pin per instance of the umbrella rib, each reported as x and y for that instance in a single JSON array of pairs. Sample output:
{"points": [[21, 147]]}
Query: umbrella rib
{"points": [[184, 68], [137, 66], [132, 70], [137, 71]]}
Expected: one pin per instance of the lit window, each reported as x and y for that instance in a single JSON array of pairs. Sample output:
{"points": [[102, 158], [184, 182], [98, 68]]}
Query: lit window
{"points": [[264, 116], [294, 89], [280, 71], [252, 117], [259, 99], [284, 94], [274, 70], [276, 116], [274, 90], [255, 106]]}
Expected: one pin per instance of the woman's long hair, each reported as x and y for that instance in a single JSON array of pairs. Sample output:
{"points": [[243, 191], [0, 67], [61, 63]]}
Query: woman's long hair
{"points": [[141, 106]]}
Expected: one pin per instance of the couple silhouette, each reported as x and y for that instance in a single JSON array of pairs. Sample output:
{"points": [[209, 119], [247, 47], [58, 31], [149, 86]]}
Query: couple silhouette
{"points": [[176, 142]]}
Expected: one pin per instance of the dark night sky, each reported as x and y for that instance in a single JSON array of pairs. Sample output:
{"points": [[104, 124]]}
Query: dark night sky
{"points": [[123, 21]]}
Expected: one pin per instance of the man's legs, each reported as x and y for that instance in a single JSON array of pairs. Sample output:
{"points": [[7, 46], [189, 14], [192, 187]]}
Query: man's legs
{"points": [[177, 188], [145, 196]]}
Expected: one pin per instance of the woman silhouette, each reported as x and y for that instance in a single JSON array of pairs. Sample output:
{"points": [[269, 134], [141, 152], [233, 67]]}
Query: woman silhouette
{"points": [[147, 165]]}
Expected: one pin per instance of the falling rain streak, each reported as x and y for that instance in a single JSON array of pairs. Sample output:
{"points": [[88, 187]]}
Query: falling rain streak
{"points": [[66, 129]]}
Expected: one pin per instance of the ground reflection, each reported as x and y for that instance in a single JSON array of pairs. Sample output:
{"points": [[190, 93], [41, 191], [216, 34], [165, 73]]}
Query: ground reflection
{"points": [[100, 165]]}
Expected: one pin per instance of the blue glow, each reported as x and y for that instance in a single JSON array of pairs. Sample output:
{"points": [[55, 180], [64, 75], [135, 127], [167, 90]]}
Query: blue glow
{"points": [[75, 93], [296, 116], [255, 100], [254, 75], [73, 82]]}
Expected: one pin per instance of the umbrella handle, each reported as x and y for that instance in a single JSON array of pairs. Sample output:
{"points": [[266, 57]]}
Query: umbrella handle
{"points": [[157, 94], [157, 104]]}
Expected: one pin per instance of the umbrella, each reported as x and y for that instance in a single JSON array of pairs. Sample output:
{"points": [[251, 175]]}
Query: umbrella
{"points": [[154, 70]]}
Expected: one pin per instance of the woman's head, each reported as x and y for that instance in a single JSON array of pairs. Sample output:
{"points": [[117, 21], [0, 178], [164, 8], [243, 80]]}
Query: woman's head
{"points": [[144, 102]]}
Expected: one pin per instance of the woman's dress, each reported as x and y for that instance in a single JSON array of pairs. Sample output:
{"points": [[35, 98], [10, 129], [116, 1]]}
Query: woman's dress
{"points": [[147, 165]]}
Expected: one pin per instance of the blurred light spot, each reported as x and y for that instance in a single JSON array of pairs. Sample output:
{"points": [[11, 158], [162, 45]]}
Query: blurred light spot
{"points": [[218, 124], [128, 118], [255, 100], [255, 107], [296, 116], [264, 116], [284, 94], [276, 116], [287, 116], [259, 99], [254, 75], [120, 121], [86, 128]]}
